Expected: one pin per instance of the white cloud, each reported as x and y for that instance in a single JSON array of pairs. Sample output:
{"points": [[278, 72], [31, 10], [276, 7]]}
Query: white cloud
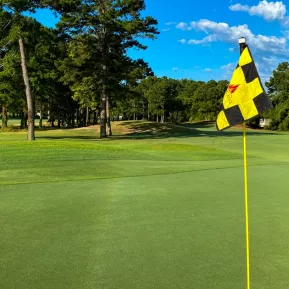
{"points": [[230, 66], [231, 49], [223, 32], [286, 33], [166, 29], [239, 7], [183, 41], [207, 25], [268, 10], [208, 70], [171, 23], [227, 70], [265, 66], [208, 39], [183, 26], [270, 60], [175, 69]]}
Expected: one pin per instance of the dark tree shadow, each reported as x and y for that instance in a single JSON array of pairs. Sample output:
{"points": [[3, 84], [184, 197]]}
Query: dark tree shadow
{"points": [[150, 130], [144, 130], [79, 137]]}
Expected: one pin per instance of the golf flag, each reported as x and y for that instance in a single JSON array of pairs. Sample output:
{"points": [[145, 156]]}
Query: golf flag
{"points": [[245, 97]]}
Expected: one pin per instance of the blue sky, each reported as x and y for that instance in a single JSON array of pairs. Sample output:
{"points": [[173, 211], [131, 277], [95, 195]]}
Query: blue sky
{"points": [[200, 41]]}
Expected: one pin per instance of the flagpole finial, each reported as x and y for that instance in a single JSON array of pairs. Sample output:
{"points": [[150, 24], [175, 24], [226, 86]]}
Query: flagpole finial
{"points": [[242, 43], [242, 40]]}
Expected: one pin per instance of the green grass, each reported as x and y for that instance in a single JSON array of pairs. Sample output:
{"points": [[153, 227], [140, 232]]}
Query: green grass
{"points": [[161, 208], [16, 122]]}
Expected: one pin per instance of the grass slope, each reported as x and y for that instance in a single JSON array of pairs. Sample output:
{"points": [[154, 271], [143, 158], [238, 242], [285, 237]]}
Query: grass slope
{"points": [[156, 206]]}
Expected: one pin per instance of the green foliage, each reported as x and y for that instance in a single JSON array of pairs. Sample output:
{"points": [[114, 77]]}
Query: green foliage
{"points": [[100, 33], [278, 89], [84, 62], [178, 101]]}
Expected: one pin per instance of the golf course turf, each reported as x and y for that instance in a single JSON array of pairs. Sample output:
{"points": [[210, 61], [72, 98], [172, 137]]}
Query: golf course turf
{"points": [[154, 207]]}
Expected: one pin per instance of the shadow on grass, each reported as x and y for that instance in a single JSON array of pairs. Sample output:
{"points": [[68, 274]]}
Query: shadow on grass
{"points": [[78, 137], [146, 130], [150, 130]]}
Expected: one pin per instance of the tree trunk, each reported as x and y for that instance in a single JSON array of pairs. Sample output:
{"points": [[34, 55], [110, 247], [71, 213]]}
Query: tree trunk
{"points": [[4, 116], [30, 105], [145, 111], [104, 96], [22, 119], [77, 117], [25, 120], [104, 105], [41, 116], [83, 111], [95, 117], [163, 118], [157, 118], [87, 116], [108, 122], [71, 117], [103, 115], [134, 108]]}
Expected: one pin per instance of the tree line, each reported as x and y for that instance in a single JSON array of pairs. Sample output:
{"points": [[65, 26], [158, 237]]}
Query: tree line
{"points": [[81, 70], [170, 100], [82, 65]]}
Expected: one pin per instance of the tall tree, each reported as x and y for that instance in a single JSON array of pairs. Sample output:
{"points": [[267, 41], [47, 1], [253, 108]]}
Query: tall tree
{"points": [[278, 90], [16, 8], [112, 28], [5, 20]]}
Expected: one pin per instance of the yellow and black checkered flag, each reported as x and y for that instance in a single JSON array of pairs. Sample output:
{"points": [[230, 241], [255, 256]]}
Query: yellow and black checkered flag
{"points": [[245, 97]]}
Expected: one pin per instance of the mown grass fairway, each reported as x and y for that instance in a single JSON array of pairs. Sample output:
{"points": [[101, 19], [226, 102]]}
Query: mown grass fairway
{"points": [[159, 208]]}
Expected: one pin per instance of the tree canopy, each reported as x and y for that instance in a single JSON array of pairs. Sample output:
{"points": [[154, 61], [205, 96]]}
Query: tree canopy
{"points": [[80, 72]]}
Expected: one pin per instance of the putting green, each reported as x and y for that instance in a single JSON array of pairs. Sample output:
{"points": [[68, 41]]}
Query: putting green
{"points": [[147, 210]]}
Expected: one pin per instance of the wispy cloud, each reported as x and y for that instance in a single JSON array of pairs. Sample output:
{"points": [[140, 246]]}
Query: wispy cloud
{"points": [[265, 66], [268, 50], [175, 69], [229, 67], [171, 23], [166, 29], [183, 41], [223, 32], [286, 33], [183, 26], [239, 7], [270, 11], [208, 39]]}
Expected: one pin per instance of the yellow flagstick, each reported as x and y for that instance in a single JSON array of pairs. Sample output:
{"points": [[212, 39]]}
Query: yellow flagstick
{"points": [[242, 42], [246, 208]]}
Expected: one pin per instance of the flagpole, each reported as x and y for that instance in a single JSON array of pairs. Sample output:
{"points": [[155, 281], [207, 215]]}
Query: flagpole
{"points": [[242, 42]]}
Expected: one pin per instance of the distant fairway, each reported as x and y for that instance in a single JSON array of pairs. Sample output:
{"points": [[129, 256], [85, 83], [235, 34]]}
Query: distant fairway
{"points": [[155, 207], [16, 122]]}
